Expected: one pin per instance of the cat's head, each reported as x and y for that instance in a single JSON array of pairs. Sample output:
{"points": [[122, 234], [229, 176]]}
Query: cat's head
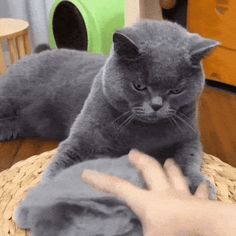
{"points": [[154, 69]]}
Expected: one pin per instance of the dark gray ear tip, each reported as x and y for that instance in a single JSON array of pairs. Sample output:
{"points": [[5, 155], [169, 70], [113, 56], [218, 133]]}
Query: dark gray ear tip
{"points": [[116, 36], [120, 36]]}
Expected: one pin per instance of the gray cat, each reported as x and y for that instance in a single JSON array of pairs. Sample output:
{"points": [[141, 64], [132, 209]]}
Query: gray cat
{"points": [[144, 96]]}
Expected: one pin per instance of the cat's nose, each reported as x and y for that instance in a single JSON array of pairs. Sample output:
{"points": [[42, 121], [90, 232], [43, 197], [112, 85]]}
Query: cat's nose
{"points": [[156, 107], [156, 103]]}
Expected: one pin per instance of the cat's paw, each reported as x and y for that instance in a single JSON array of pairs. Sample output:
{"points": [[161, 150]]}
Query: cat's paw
{"points": [[195, 181], [47, 176], [51, 172]]}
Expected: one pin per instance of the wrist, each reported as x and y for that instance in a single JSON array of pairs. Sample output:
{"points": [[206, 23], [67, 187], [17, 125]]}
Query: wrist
{"points": [[194, 219], [207, 218]]}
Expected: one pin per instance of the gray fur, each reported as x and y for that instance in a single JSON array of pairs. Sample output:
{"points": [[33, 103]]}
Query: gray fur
{"points": [[42, 94], [160, 121], [68, 206]]}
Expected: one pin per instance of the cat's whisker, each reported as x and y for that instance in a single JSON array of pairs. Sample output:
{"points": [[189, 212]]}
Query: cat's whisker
{"points": [[176, 124], [141, 110], [139, 113], [185, 122], [129, 120], [126, 121], [184, 115], [121, 116], [171, 121], [172, 111]]}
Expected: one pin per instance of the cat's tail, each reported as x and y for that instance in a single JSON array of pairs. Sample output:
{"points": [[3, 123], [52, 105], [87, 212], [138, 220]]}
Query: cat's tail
{"points": [[41, 47]]}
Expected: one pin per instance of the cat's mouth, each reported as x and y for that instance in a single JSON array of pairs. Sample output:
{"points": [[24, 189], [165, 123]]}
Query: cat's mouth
{"points": [[153, 117], [146, 118], [149, 118]]}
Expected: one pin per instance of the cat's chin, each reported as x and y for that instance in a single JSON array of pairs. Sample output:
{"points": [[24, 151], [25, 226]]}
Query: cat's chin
{"points": [[150, 120]]}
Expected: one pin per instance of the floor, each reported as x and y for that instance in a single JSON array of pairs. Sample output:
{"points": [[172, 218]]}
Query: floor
{"points": [[217, 118], [14, 151]]}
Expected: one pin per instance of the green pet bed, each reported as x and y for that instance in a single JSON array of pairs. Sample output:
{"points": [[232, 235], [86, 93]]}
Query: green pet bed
{"points": [[85, 24]]}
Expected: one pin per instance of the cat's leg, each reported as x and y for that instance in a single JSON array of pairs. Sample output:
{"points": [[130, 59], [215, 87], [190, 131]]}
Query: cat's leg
{"points": [[9, 120], [70, 151], [189, 157]]}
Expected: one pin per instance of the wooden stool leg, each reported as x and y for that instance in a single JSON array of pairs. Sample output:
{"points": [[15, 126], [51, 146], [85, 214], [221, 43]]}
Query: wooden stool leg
{"points": [[13, 50], [150, 9], [20, 46], [27, 43], [132, 12], [3, 67], [142, 9]]}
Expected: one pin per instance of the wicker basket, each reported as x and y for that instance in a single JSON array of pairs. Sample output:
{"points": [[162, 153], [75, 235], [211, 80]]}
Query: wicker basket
{"points": [[14, 183]]}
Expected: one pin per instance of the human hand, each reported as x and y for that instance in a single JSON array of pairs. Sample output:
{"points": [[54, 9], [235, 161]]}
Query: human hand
{"points": [[166, 207]]}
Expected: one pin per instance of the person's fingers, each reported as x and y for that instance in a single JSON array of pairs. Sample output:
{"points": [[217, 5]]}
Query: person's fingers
{"points": [[150, 169], [122, 189], [202, 191], [176, 178]]}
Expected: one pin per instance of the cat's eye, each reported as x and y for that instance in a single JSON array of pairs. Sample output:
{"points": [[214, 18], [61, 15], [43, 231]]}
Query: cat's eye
{"points": [[176, 91], [139, 87]]}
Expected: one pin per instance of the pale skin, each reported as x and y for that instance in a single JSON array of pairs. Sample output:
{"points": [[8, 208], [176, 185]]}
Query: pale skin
{"points": [[167, 208]]}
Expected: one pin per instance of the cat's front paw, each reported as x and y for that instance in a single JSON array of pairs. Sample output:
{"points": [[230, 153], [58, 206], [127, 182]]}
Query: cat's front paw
{"points": [[46, 178], [48, 175], [195, 181]]}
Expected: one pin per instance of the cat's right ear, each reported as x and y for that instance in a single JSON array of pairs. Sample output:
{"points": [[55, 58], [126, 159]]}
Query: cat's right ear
{"points": [[124, 46], [201, 47]]}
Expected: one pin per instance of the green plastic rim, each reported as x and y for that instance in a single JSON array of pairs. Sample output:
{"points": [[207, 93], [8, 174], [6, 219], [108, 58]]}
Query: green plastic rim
{"points": [[101, 19]]}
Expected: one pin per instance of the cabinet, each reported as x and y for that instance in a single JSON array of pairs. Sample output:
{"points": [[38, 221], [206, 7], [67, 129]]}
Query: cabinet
{"points": [[216, 19]]}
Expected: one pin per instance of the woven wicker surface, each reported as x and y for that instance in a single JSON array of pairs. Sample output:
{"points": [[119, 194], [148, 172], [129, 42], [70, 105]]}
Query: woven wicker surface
{"points": [[15, 181]]}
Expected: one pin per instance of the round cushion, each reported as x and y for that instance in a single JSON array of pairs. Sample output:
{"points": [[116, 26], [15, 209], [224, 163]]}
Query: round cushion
{"points": [[15, 182]]}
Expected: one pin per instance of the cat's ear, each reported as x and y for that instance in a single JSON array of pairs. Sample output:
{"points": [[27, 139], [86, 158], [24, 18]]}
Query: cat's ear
{"points": [[124, 46], [201, 47]]}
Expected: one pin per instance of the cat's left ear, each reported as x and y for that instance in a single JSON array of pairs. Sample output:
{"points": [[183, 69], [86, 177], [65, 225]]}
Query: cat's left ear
{"points": [[124, 46], [201, 47]]}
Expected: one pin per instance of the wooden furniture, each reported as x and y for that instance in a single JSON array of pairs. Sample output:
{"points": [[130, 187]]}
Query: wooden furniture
{"points": [[16, 33], [145, 9], [216, 19]]}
